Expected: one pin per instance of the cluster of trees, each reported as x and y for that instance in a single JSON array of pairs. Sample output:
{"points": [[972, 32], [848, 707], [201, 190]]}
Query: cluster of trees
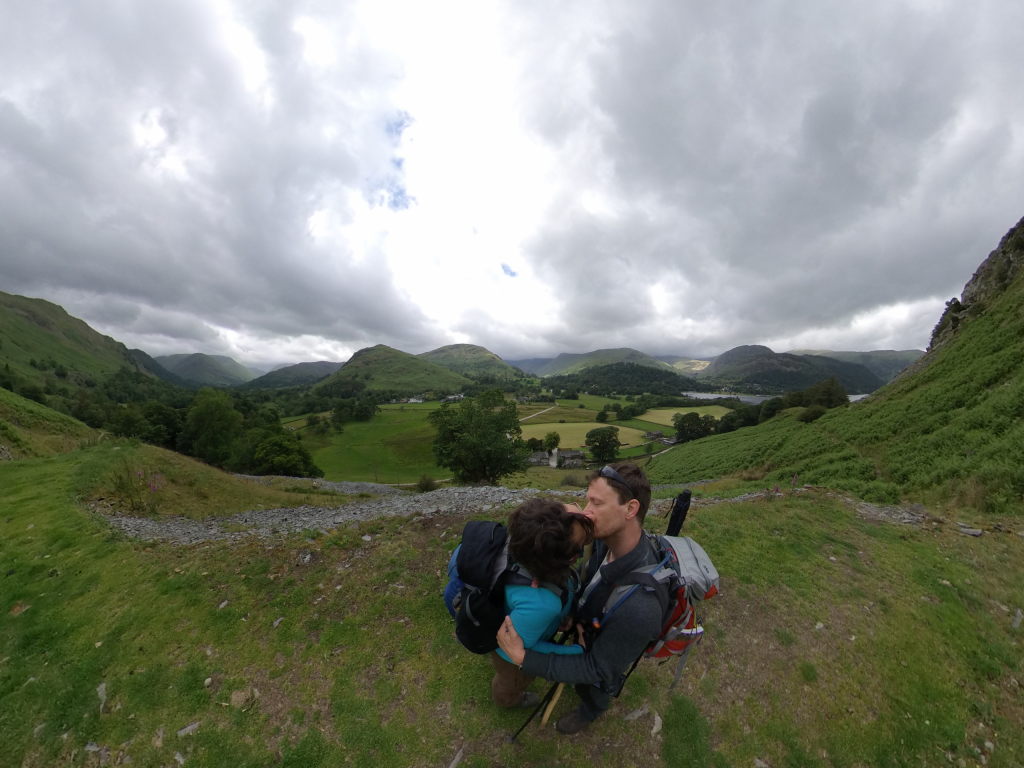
{"points": [[815, 400]]}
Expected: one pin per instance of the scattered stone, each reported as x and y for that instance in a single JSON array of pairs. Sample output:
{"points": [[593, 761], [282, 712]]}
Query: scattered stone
{"points": [[1017, 618], [819, 626], [833, 558], [222, 605], [38, 729], [98, 643], [189, 729], [945, 583], [158, 738], [458, 758], [367, 537], [207, 682], [971, 531], [92, 746], [101, 691], [759, 763], [656, 728], [636, 714], [279, 619], [179, 758], [990, 747], [19, 608]]}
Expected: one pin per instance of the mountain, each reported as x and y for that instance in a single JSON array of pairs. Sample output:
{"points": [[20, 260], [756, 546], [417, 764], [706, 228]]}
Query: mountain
{"points": [[624, 379], [208, 370], [383, 369], [567, 363], [948, 431], [296, 375], [754, 368], [471, 360], [884, 363], [42, 346]]}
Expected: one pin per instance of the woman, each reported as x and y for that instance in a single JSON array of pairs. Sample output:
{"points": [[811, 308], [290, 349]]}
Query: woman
{"points": [[545, 539]]}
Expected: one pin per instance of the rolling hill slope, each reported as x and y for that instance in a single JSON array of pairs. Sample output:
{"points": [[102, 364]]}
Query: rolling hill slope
{"points": [[949, 431], [471, 360], [567, 363], [755, 368], [383, 369], [42, 345], [296, 375]]}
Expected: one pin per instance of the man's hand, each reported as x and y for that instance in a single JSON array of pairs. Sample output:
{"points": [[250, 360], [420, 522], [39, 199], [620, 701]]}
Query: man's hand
{"points": [[511, 643]]}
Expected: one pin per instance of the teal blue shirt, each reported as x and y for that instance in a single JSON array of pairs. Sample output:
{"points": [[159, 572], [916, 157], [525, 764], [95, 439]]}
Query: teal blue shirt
{"points": [[536, 613]]}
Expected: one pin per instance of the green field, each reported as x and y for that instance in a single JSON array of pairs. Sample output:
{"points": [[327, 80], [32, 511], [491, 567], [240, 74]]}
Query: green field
{"points": [[664, 416], [395, 446], [574, 435]]}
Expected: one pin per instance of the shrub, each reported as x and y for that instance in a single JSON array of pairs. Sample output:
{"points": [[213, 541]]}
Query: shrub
{"points": [[571, 480], [426, 483], [811, 413]]}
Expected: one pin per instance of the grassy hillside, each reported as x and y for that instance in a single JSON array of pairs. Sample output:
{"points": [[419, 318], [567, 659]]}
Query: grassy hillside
{"points": [[383, 369], [28, 429], [43, 345], [951, 434], [836, 642], [471, 360], [210, 370]]}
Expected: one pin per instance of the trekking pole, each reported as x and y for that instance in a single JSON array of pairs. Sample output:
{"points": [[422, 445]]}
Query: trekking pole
{"points": [[677, 515], [538, 708], [551, 706]]}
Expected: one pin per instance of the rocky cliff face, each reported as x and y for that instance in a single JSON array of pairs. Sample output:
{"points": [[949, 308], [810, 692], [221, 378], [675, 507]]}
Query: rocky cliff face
{"points": [[992, 278]]}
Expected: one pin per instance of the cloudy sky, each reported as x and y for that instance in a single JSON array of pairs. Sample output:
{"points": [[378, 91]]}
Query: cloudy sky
{"points": [[294, 181]]}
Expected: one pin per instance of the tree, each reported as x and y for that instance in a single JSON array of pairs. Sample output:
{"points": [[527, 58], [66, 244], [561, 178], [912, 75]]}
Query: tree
{"points": [[551, 441], [603, 443], [691, 426], [602, 417], [211, 426], [480, 439]]}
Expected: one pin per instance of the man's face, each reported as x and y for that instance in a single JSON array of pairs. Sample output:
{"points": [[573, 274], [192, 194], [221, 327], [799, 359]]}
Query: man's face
{"points": [[605, 509]]}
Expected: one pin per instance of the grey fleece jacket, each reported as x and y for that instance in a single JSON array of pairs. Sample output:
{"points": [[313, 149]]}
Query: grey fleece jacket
{"points": [[634, 624]]}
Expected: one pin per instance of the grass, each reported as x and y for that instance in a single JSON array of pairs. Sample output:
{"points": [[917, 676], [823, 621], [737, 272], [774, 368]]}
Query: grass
{"points": [[344, 655], [395, 446], [574, 435]]}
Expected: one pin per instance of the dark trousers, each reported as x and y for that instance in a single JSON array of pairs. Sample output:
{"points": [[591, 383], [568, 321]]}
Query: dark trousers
{"points": [[509, 682], [593, 701]]}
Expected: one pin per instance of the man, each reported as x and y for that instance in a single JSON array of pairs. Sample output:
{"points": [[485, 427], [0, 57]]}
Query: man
{"points": [[617, 501]]}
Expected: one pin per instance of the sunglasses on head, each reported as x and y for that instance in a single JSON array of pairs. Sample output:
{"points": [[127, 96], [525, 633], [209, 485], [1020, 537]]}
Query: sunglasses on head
{"points": [[610, 474]]}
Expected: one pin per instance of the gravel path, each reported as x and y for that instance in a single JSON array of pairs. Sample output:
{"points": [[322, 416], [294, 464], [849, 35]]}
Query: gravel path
{"points": [[268, 522], [392, 502]]}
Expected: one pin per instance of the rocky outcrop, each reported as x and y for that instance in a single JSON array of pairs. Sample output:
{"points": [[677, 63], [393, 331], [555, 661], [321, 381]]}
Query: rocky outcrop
{"points": [[989, 281]]}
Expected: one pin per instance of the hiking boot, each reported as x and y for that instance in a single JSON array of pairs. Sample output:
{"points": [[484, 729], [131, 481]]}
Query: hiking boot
{"points": [[528, 699], [574, 722]]}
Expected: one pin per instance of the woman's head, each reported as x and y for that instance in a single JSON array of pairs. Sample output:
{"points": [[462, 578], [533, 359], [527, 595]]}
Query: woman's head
{"points": [[546, 538]]}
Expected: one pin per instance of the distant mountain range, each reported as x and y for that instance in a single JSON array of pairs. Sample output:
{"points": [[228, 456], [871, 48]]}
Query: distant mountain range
{"points": [[41, 344], [211, 370]]}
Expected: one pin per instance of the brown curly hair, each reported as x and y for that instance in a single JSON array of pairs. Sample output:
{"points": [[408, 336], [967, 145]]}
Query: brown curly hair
{"points": [[540, 538]]}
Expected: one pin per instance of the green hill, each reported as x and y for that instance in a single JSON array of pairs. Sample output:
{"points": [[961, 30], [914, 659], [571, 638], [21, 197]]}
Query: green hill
{"points": [[567, 363], [884, 363], [45, 348], [207, 370], [755, 368], [383, 369], [472, 361], [950, 431], [28, 429], [624, 379], [298, 375]]}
